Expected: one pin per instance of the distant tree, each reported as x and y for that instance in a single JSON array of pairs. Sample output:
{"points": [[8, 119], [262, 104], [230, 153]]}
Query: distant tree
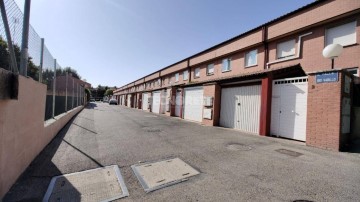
{"points": [[108, 92], [63, 71], [32, 70], [88, 94], [4, 54]]}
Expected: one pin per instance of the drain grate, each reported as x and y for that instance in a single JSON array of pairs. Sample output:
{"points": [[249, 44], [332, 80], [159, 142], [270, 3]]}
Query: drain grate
{"points": [[153, 130], [289, 152], [101, 184], [150, 116], [238, 147], [160, 174]]}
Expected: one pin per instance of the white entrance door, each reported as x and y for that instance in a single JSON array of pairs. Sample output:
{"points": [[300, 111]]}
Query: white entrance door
{"points": [[156, 101], [145, 99], [178, 103], [289, 108], [193, 103], [240, 108]]}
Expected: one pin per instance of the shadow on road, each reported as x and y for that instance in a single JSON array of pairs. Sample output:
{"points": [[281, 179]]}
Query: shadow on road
{"points": [[91, 105], [33, 183]]}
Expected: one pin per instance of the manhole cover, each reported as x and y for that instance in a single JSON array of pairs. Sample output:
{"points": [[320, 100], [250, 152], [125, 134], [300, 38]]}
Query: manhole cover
{"points": [[101, 184], [150, 116], [157, 175], [238, 147], [289, 152], [153, 130]]}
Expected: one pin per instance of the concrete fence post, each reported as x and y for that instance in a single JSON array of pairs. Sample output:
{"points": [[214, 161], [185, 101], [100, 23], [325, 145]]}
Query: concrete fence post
{"points": [[54, 88], [13, 63], [25, 39], [77, 95], [41, 59], [73, 94], [66, 92]]}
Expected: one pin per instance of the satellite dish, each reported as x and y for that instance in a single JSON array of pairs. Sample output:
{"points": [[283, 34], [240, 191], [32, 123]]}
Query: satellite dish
{"points": [[332, 51]]}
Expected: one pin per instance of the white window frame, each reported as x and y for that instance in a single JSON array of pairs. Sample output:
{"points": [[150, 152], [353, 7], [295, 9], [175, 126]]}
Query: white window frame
{"points": [[197, 72], [228, 65], [256, 58], [213, 69], [185, 75], [177, 77], [352, 39], [293, 41], [159, 82], [169, 80]]}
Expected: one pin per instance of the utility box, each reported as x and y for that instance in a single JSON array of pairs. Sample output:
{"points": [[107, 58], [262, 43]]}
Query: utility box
{"points": [[207, 114], [208, 101]]}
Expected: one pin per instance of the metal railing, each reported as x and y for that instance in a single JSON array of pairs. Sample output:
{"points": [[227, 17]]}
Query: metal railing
{"points": [[65, 91]]}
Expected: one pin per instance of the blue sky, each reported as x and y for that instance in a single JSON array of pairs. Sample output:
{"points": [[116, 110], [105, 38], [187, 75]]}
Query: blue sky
{"points": [[114, 42]]}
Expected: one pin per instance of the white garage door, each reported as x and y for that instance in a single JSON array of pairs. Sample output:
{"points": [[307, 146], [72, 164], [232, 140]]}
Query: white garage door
{"points": [[163, 101], [129, 101], [156, 100], [145, 100], [178, 103], [193, 103], [288, 108], [240, 108]]}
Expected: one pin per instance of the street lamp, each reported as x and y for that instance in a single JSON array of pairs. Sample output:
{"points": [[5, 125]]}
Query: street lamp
{"points": [[332, 51]]}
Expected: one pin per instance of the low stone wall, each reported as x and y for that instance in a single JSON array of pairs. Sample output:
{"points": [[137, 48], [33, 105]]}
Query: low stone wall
{"points": [[23, 133]]}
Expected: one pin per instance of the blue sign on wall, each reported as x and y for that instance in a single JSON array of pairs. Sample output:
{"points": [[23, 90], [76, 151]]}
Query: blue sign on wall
{"points": [[327, 77]]}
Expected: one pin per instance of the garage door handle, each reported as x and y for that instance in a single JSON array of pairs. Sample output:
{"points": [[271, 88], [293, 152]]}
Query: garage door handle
{"points": [[238, 104], [280, 112]]}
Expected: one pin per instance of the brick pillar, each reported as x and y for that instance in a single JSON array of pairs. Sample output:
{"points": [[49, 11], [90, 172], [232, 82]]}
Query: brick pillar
{"points": [[139, 100], [172, 94], [212, 90], [150, 101], [324, 109], [126, 97], [171, 99], [265, 111]]}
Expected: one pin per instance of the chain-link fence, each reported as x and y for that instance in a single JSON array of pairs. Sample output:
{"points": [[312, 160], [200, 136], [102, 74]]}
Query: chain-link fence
{"points": [[65, 89]]}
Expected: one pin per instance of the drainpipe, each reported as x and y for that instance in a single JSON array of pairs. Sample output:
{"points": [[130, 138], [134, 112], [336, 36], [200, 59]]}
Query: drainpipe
{"points": [[266, 45], [189, 70], [293, 57]]}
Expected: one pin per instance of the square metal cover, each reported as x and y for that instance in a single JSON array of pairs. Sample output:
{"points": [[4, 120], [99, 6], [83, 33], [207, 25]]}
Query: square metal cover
{"points": [[160, 174], [101, 184]]}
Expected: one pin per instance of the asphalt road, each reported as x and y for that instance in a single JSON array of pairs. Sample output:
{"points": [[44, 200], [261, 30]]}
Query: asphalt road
{"points": [[234, 166]]}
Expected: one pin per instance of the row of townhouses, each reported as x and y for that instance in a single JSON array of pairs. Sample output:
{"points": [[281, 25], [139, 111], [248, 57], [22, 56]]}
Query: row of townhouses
{"points": [[272, 80]]}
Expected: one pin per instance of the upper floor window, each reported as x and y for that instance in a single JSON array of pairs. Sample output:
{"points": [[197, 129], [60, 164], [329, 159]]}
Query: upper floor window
{"points": [[176, 77], [210, 69], [185, 75], [197, 72], [251, 58], [159, 82], [169, 80], [344, 34], [286, 49], [226, 64]]}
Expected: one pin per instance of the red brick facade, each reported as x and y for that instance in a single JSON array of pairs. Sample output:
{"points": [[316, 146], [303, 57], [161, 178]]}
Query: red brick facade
{"points": [[307, 26]]}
